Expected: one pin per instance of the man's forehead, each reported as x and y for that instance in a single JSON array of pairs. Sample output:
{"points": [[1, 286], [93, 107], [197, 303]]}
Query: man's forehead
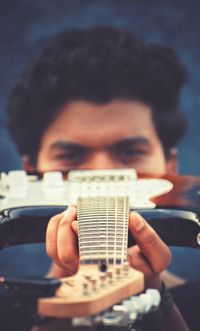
{"points": [[90, 111], [92, 124], [118, 114]]}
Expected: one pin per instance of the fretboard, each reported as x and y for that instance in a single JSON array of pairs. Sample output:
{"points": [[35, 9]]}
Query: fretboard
{"points": [[103, 204], [103, 229]]}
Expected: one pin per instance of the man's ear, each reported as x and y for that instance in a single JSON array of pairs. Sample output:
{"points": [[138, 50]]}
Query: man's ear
{"points": [[172, 162], [27, 165]]}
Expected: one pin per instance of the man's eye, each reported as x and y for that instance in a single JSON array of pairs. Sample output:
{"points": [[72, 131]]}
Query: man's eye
{"points": [[73, 157], [68, 156], [129, 152]]}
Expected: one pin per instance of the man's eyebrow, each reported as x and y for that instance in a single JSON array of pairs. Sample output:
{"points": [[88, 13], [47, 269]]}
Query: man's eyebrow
{"points": [[132, 141], [65, 145]]}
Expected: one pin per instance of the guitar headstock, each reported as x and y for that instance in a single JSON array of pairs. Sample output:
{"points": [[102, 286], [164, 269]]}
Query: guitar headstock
{"points": [[90, 292]]}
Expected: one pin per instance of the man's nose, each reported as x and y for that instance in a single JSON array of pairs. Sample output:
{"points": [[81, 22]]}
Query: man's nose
{"points": [[101, 160]]}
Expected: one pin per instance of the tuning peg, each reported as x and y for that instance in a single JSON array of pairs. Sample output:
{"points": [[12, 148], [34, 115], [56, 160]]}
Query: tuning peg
{"points": [[110, 276], [94, 283], [136, 305], [17, 176], [85, 288], [114, 317], [118, 271], [4, 180], [53, 185], [133, 313], [155, 295], [52, 178], [18, 184], [123, 313], [102, 278], [82, 321], [146, 301], [126, 268]]}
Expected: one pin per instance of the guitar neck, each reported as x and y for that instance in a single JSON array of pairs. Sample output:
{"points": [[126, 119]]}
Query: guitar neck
{"points": [[103, 229]]}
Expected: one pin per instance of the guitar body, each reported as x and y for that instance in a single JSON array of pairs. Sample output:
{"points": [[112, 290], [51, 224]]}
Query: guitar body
{"points": [[175, 215], [169, 203]]}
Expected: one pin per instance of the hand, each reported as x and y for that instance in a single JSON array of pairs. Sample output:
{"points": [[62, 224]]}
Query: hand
{"points": [[61, 243], [150, 255]]}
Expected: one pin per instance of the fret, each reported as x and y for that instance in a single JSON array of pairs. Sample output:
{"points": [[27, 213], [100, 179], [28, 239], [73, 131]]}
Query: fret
{"points": [[101, 227], [95, 238]]}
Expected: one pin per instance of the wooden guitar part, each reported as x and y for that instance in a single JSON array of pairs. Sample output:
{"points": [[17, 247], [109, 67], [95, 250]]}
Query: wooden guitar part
{"points": [[89, 292]]}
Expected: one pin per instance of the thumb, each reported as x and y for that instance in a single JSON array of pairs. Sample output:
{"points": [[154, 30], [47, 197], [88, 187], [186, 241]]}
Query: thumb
{"points": [[74, 226]]}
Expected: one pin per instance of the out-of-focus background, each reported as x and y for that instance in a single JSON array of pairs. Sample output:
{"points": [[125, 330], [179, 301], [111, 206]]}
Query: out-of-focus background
{"points": [[26, 25]]}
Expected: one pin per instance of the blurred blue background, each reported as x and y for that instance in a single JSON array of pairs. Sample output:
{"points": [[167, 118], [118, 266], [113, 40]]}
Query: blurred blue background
{"points": [[25, 26]]}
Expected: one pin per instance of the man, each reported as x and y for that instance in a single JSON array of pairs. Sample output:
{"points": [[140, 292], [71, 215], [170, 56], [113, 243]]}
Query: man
{"points": [[101, 98]]}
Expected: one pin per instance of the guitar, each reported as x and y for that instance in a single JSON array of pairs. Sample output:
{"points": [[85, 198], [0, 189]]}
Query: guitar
{"points": [[104, 199], [27, 202]]}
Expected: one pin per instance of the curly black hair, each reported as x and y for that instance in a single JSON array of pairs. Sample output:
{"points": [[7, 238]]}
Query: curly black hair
{"points": [[98, 64]]}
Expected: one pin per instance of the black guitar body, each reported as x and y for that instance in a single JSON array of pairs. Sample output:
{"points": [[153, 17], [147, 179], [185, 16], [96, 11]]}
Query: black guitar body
{"points": [[175, 218], [28, 225]]}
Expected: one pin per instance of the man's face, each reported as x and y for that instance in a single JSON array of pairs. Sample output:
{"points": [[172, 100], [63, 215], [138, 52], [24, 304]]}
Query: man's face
{"points": [[119, 134]]}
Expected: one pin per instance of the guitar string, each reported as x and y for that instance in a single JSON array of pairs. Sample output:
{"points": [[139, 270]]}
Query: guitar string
{"points": [[97, 215], [115, 247], [107, 261], [123, 232]]}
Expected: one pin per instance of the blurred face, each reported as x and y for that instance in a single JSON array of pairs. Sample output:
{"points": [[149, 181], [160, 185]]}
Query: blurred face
{"points": [[119, 134]]}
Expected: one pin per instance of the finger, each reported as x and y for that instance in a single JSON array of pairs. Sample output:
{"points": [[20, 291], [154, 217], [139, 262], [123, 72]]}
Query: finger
{"points": [[75, 227], [151, 245], [66, 241], [138, 261], [51, 237]]}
